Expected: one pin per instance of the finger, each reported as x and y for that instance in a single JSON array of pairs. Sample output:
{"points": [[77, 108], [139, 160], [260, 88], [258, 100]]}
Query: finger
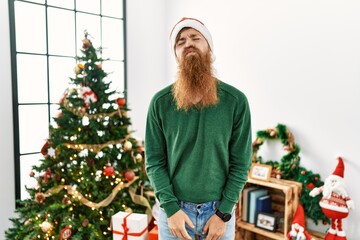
{"points": [[185, 235], [206, 228], [189, 222]]}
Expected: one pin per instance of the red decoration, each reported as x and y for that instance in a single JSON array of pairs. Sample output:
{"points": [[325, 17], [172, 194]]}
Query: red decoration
{"points": [[310, 186], [46, 176], [303, 172], [89, 96], [335, 202], [121, 101], [65, 233], [109, 171], [129, 175], [45, 148], [298, 226]]}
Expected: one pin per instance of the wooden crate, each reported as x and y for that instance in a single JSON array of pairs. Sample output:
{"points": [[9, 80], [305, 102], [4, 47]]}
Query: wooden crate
{"points": [[290, 196], [286, 197]]}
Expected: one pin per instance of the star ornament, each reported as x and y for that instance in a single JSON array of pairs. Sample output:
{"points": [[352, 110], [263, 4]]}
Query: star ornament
{"points": [[51, 152]]}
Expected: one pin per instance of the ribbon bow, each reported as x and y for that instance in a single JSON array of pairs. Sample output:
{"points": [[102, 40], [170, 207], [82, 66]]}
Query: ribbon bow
{"points": [[126, 230]]}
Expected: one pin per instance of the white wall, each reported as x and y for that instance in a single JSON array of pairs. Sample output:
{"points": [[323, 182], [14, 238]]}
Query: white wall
{"points": [[7, 185], [297, 61], [146, 37]]}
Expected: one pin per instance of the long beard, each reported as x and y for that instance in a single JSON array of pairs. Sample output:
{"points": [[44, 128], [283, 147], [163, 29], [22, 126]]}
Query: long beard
{"points": [[196, 86], [329, 188]]}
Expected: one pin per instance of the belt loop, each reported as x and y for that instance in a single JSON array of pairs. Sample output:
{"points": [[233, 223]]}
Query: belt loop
{"points": [[214, 205], [180, 203]]}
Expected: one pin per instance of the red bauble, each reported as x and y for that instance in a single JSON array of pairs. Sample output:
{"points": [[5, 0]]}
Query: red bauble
{"points": [[303, 172], [121, 101], [310, 186], [129, 175], [109, 171]]}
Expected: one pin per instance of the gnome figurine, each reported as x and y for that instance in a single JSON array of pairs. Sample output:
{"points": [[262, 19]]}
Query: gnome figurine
{"points": [[335, 202], [298, 230]]}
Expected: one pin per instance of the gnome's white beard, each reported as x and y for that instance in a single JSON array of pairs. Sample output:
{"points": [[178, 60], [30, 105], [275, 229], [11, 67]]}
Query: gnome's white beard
{"points": [[334, 186]]}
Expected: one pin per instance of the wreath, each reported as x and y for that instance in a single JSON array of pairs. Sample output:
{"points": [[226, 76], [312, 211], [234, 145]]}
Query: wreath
{"points": [[289, 168], [289, 163]]}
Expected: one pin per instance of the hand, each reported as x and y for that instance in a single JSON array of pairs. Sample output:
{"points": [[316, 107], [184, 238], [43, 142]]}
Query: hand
{"points": [[177, 223], [314, 192], [214, 228], [350, 204]]}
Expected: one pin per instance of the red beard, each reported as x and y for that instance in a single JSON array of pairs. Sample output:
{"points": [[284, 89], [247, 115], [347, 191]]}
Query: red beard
{"points": [[196, 86]]}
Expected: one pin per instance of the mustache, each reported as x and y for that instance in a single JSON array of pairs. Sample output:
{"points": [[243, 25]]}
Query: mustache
{"points": [[191, 49]]}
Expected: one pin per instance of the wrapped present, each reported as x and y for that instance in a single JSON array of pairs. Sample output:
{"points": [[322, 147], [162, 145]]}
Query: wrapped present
{"points": [[153, 234], [129, 226]]}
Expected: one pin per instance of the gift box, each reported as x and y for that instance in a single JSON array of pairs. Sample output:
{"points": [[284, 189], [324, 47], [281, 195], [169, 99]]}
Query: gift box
{"points": [[153, 234], [129, 226]]}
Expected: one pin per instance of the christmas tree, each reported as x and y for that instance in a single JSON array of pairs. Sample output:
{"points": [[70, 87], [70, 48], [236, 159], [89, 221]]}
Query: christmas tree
{"points": [[92, 166]]}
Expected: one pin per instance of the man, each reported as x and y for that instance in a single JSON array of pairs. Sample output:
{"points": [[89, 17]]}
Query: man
{"points": [[197, 143]]}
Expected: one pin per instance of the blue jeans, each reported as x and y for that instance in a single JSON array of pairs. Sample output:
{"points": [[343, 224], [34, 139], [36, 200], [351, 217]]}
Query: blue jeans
{"points": [[199, 214]]}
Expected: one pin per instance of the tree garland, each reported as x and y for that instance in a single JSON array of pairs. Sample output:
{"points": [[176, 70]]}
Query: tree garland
{"points": [[289, 168]]}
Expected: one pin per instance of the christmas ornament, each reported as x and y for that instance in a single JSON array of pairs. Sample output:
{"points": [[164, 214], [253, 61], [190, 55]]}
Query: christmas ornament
{"points": [[86, 43], [335, 202], [129, 175], [46, 176], [85, 223], [109, 171], [121, 102], [39, 197], [298, 228], [127, 146], [66, 200], [27, 222], [65, 233], [89, 96], [44, 148], [32, 174], [78, 68], [46, 226]]}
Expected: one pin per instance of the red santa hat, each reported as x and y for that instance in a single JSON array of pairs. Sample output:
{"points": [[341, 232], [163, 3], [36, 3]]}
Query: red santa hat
{"points": [[192, 23], [299, 216], [338, 173]]}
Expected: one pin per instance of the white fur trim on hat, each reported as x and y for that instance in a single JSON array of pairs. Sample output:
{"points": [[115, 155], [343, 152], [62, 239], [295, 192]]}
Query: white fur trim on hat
{"points": [[192, 23]]}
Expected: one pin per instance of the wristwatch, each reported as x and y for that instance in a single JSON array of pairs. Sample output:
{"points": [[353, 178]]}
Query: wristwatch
{"points": [[223, 216]]}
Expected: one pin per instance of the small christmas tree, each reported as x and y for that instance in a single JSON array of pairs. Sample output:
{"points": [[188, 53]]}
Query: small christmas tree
{"points": [[92, 166]]}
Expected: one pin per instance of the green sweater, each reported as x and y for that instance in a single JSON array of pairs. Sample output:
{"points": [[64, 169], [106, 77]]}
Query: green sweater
{"points": [[200, 155]]}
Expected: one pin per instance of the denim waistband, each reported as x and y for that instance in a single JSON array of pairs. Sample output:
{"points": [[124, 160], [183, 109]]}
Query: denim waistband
{"points": [[196, 206]]}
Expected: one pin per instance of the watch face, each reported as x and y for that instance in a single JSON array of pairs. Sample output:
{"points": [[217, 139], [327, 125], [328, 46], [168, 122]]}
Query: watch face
{"points": [[226, 217]]}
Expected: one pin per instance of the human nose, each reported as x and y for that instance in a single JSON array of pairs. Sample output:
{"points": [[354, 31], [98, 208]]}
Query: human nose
{"points": [[189, 43]]}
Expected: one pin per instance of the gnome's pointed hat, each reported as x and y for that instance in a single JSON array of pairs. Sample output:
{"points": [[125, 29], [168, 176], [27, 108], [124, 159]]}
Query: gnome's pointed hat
{"points": [[339, 170], [299, 216]]}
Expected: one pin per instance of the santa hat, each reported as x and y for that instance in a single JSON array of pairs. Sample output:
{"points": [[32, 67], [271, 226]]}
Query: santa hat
{"points": [[338, 173], [299, 216], [192, 23]]}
